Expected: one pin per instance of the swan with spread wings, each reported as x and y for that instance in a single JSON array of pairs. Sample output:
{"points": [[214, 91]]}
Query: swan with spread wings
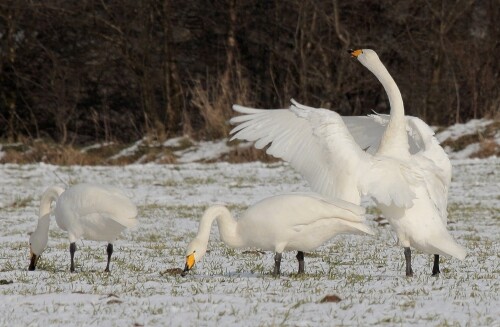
{"points": [[393, 158]]}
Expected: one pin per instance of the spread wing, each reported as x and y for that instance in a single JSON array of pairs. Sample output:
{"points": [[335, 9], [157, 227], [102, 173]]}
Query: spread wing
{"points": [[298, 137], [318, 144]]}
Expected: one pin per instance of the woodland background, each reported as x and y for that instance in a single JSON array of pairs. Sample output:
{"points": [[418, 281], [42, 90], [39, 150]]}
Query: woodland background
{"points": [[84, 71]]}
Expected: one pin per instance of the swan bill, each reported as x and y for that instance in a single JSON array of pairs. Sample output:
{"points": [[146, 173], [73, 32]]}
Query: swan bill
{"points": [[190, 261], [355, 53]]}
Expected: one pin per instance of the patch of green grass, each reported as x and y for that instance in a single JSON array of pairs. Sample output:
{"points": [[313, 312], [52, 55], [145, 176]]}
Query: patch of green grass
{"points": [[149, 238], [354, 278], [198, 181], [243, 181], [45, 264], [472, 238]]}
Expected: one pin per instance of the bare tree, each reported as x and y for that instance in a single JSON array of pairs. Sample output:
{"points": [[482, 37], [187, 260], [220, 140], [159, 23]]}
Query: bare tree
{"points": [[91, 70]]}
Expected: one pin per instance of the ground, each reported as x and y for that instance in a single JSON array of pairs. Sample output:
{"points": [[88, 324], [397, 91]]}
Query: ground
{"points": [[234, 287]]}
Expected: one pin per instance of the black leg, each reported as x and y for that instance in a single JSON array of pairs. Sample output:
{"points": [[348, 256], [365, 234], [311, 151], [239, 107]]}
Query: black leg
{"points": [[435, 268], [409, 271], [109, 250], [300, 258], [277, 263], [72, 250], [33, 261]]}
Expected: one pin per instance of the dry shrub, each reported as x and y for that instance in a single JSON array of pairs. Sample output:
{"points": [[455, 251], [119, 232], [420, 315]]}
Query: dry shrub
{"points": [[57, 154], [47, 152], [167, 158], [248, 154], [214, 100], [487, 143], [461, 142], [487, 149], [215, 109], [485, 138], [146, 152]]}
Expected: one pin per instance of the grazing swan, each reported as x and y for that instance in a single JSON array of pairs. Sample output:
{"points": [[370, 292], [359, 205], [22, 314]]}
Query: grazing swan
{"points": [[284, 222], [395, 159], [85, 211]]}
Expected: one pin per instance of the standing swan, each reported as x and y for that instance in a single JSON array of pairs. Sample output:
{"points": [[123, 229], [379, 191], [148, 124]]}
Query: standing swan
{"points": [[85, 211], [284, 222], [403, 167]]}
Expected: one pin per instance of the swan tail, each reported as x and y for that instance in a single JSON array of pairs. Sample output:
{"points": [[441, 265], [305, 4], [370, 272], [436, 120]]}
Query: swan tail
{"points": [[131, 222], [359, 228], [448, 247], [127, 216]]}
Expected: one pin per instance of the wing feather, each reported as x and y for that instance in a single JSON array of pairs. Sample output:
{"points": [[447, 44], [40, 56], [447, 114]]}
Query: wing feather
{"points": [[319, 145], [298, 137], [107, 201]]}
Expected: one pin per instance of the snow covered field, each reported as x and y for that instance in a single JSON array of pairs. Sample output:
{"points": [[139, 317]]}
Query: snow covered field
{"points": [[234, 287]]}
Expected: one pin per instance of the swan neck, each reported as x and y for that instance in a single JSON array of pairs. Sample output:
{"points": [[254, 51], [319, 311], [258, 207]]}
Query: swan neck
{"points": [[225, 222], [395, 139], [50, 195], [39, 237], [42, 228]]}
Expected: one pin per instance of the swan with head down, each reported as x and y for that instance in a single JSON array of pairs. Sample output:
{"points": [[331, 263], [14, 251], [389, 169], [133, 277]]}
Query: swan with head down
{"points": [[300, 222], [85, 211]]}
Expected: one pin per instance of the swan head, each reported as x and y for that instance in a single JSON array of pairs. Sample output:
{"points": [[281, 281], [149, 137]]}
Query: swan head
{"points": [[194, 252], [367, 57], [37, 244]]}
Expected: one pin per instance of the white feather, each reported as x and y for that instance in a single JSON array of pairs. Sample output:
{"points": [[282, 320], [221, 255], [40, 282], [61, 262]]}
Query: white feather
{"points": [[85, 211], [298, 221], [394, 159]]}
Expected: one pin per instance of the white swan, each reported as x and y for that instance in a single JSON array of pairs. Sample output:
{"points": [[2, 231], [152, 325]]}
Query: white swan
{"points": [[284, 222], [403, 166], [85, 211]]}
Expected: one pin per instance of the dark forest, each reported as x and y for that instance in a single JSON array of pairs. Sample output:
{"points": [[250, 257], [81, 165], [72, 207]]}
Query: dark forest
{"points": [[78, 72]]}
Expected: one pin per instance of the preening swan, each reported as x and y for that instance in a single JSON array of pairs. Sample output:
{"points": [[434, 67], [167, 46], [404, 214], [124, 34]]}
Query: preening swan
{"points": [[280, 223], [85, 211], [394, 159]]}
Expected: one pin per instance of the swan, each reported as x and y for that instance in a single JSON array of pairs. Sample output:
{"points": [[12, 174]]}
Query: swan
{"points": [[85, 211], [394, 159], [279, 223]]}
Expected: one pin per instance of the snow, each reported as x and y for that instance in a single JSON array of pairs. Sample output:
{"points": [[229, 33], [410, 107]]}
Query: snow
{"points": [[456, 131], [176, 141], [206, 150], [128, 151], [96, 146], [233, 287], [467, 152]]}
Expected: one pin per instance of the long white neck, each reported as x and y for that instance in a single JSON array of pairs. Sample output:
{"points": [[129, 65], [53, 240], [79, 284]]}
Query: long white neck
{"points": [[40, 236], [395, 140], [225, 222]]}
